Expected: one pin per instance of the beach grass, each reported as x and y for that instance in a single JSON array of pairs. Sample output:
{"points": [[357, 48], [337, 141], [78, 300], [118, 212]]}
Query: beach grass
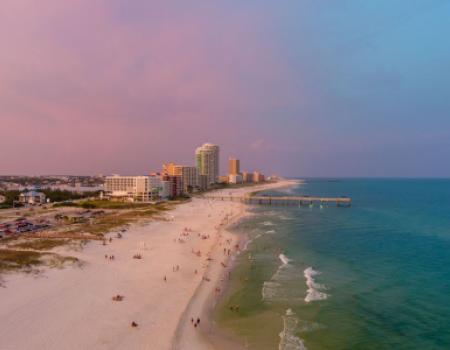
{"points": [[122, 217], [19, 259], [16, 260], [40, 244], [102, 204]]}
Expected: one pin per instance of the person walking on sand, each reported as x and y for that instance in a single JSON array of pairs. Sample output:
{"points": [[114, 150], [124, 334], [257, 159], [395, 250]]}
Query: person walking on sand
{"points": [[165, 278]]}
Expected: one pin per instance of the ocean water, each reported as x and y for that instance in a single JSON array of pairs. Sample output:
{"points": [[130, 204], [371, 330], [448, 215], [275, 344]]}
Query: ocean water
{"points": [[373, 276]]}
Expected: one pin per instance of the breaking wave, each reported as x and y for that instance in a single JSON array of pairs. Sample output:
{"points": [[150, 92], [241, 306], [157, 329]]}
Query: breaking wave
{"points": [[284, 259], [288, 341], [314, 292]]}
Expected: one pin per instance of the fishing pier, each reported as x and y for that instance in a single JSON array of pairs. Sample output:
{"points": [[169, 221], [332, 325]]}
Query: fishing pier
{"points": [[285, 200]]}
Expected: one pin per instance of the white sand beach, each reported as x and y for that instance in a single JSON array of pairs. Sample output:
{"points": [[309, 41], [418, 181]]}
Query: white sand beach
{"points": [[72, 308]]}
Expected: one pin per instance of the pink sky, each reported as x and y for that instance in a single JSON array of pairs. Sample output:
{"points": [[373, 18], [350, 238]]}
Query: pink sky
{"points": [[113, 86], [304, 88]]}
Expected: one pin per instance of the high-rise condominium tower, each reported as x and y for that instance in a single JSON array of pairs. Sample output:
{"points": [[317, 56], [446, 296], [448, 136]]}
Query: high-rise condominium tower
{"points": [[233, 166], [207, 162]]}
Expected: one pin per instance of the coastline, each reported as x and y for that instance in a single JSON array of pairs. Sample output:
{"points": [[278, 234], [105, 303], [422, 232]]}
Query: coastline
{"points": [[75, 303], [209, 336]]}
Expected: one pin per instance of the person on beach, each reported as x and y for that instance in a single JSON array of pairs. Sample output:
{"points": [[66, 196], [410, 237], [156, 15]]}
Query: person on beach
{"points": [[165, 279]]}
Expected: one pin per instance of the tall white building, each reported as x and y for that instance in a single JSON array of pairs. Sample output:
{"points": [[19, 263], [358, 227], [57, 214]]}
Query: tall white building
{"points": [[207, 162]]}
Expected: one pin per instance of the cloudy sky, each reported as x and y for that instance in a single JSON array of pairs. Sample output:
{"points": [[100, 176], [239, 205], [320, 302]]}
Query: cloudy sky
{"points": [[295, 87]]}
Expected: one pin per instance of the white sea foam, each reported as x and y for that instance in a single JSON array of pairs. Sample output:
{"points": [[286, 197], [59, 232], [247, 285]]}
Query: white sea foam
{"points": [[314, 292], [276, 289], [273, 290], [284, 259], [270, 290], [271, 232], [249, 241], [268, 223], [288, 341]]}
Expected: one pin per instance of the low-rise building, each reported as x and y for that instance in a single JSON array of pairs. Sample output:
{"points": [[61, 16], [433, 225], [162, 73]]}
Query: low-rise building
{"points": [[188, 174], [32, 197], [166, 189], [235, 178], [258, 177], [247, 177], [223, 179], [2, 199], [130, 188], [175, 185]]}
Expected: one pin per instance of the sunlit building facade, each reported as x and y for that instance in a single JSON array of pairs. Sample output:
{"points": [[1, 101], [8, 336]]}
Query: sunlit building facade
{"points": [[207, 162]]}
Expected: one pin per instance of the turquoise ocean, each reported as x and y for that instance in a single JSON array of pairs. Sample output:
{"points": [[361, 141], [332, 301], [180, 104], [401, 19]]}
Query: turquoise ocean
{"points": [[372, 276]]}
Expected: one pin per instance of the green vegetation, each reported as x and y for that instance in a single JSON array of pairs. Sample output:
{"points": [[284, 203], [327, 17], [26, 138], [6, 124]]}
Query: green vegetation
{"points": [[106, 204], [53, 195], [123, 215], [60, 195], [40, 244], [18, 259], [11, 260], [103, 204], [10, 196]]}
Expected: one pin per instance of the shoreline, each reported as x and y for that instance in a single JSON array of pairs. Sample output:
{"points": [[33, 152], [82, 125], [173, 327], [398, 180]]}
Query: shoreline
{"points": [[210, 336]]}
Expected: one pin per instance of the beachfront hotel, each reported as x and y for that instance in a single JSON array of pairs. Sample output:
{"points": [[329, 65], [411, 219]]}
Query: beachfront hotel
{"points": [[258, 177], [207, 162], [132, 188], [247, 177], [233, 166], [188, 175], [234, 172]]}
